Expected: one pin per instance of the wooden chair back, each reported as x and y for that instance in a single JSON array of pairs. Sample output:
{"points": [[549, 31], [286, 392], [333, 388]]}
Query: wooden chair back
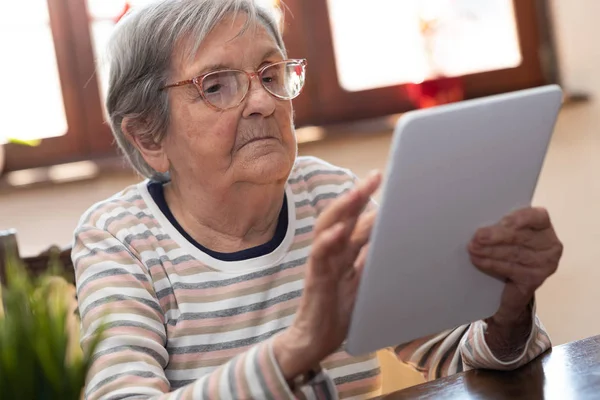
{"points": [[38, 264]]}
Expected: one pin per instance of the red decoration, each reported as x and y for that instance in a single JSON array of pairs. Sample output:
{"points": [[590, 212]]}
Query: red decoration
{"points": [[435, 92], [126, 8], [298, 69]]}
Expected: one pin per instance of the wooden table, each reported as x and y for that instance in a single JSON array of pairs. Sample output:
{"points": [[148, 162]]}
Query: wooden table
{"points": [[569, 372]]}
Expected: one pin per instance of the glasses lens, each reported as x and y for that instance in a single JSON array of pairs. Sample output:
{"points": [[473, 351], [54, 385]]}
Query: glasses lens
{"points": [[225, 89], [284, 80]]}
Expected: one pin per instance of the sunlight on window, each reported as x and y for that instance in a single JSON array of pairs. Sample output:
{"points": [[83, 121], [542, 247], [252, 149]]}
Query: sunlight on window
{"points": [[32, 103], [389, 42]]}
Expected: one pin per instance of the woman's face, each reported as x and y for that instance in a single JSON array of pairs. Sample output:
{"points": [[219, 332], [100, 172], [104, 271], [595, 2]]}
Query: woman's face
{"points": [[251, 143]]}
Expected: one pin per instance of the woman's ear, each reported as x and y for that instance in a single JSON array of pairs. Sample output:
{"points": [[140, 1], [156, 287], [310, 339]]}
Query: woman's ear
{"points": [[152, 151]]}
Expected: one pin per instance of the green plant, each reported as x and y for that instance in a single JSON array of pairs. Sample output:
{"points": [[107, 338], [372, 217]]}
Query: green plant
{"points": [[37, 360]]}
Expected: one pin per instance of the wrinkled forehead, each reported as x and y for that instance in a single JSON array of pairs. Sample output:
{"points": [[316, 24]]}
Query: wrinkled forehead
{"points": [[237, 41]]}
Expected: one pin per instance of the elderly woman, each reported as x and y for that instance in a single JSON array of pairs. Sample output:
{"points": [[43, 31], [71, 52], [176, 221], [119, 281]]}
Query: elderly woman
{"points": [[231, 271]]}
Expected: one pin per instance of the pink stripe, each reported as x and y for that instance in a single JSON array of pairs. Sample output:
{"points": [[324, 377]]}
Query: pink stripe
{"points": [[184, 268], [102, 257], [138, 332], [303, 237], [306, 209], [239, 377], [265, 364], [110, 308], [128, 220], [323, 203], [140, 203], [194, 266], [328, 179], [109, 207], [151, 242], [112, 358], [90, 235], [112, 282], [213, 382]]}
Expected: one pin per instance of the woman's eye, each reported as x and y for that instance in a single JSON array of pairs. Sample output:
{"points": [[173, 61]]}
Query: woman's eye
{"points": [[271, 77], [213, 88]]}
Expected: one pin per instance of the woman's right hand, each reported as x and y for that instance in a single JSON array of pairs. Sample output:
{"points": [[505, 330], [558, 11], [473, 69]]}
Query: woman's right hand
{"points": [[331, 282]]}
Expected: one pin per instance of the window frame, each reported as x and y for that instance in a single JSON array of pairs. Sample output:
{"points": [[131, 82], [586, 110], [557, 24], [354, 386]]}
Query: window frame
{"points": [[307, 34], [337, 105], [87, 135]]}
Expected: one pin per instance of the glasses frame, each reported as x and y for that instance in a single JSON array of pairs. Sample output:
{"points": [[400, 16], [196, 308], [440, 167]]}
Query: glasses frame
{"points": [[198, 80]]}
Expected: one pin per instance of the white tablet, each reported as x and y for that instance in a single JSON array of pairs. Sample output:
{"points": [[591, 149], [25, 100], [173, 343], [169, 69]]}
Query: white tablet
{"points": [[452, 169]]}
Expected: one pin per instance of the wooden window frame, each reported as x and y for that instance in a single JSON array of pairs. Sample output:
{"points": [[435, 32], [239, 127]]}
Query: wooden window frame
{"points": [[87, 135], [307, 34], [326, 102]]}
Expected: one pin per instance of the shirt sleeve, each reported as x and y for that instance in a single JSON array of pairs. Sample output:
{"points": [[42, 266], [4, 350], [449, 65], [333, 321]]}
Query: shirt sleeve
{"points": [[465, 348], [115, 291]]}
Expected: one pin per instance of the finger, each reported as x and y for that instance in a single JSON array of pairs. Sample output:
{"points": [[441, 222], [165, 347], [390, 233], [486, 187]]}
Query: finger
{"points": [[327, 243], [350, 204], [363, 229], [355, 235], [504, 270], [510, 253], [497, 269], [370, 184], [535, 218], [503, 235], [360, 237]]}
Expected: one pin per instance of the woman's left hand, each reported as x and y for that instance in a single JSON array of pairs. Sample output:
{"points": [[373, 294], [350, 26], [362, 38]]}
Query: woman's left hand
{"points": [[523, 250]]}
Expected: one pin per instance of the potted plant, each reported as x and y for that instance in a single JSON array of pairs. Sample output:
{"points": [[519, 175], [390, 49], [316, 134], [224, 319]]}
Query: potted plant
{"points": [[40, 356]]}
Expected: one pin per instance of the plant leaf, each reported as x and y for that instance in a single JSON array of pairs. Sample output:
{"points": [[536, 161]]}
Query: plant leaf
{"points": [[34, 339], [24, 142]]}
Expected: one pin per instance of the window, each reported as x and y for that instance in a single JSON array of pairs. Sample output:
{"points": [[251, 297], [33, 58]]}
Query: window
{"points": [[360, 57], [416, 40], [36, 107], [50, 84], [362, 54]]}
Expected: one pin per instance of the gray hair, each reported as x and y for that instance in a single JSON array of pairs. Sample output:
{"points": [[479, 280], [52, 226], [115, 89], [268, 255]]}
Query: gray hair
{"points": [[140, 56]]}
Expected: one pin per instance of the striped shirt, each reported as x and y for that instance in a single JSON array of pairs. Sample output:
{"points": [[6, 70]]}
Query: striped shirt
{"points": [[183, 324]]}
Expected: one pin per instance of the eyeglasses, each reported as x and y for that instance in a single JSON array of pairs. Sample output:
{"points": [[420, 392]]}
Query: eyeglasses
{"points": [[227, 89]]}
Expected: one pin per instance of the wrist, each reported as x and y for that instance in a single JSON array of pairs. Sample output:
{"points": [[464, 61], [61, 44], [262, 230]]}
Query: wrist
{"points": [[507, 333], [294, 356], [513, 317]]}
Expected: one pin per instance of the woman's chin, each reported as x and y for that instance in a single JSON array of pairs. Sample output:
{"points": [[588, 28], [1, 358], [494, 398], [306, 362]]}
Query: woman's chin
{"points": [[268, 166]]}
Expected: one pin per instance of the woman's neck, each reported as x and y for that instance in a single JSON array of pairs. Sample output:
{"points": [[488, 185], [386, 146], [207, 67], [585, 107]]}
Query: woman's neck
{"points": [[230, 219]]}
